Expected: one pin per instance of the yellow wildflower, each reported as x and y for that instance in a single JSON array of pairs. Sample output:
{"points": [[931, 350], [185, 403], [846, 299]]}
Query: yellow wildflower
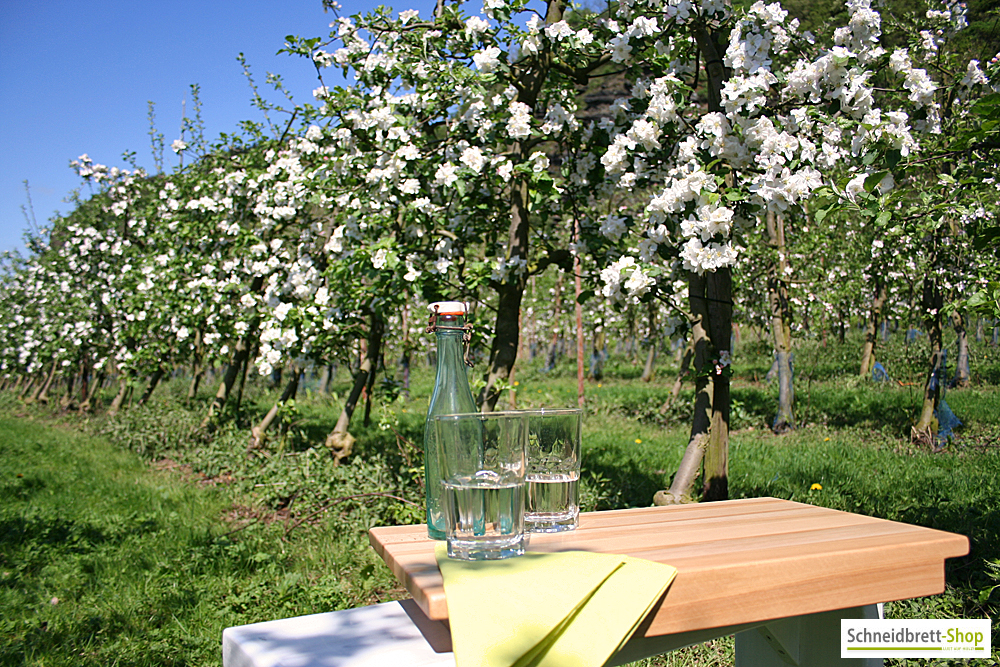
{"points": [[816, 487]]}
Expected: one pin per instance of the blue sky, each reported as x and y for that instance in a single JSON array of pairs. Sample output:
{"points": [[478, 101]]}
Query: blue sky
{"points": [[75, 78]]}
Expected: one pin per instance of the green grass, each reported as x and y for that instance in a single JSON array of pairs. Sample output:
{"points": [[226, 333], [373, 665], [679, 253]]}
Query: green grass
{"points": [[105, 561], [153, 538]]}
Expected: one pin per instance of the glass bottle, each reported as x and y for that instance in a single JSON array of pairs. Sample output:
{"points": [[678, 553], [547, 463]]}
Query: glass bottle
{"points": [[451, 395]]}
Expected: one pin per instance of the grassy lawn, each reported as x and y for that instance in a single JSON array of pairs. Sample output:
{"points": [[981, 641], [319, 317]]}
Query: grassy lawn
{"points": [[136, 542], [105, 560]]}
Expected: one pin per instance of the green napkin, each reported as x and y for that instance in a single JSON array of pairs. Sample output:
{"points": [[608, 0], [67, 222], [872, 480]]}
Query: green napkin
{"points": [[571, 608]]}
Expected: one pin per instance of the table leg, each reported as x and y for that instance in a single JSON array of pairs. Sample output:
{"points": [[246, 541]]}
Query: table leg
{"points": [[801, 641]]}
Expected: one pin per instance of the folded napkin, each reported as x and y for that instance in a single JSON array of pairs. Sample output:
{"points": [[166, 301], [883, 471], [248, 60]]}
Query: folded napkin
{"points": [[571, 608]]}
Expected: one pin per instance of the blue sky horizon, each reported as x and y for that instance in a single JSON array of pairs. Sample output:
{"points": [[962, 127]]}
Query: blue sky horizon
{"points": [[76, 79]]}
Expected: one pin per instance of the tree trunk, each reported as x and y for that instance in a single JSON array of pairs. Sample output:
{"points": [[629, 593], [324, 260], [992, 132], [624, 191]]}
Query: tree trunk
{"points": [[340, 441], [874, 319], [67, 397], [43, 396], [711, 299], [258, 432], [95, 385], [719, 293], [503, 351], [962, 374], [238, 406], [404, 359], [711, 307], [28, 388], [683, 370], [578, 311], [41, 393], [682, 487], [550, 361], [196, 374], [531, 76], [781, 317], [326, 377], [154, 380], [85, 380], [197, 370], [925, 430], [240, 359], [597, 354], [649, 369], [370, 385], [119, 399]]}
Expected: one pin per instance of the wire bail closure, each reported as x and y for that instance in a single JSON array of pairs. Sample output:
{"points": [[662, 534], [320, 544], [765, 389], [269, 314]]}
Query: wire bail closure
{"points": [[466, 329]]}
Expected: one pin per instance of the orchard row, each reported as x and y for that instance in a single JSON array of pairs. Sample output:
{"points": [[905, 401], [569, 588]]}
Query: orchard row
{"points": [[803, 179]]}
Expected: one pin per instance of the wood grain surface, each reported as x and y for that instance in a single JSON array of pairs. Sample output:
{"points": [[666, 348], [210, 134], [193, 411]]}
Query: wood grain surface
{"points": [[738, 561]]}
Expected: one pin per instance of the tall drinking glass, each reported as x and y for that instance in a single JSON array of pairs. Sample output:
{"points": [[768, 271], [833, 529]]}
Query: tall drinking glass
{"points": [[482, 459], [552, 501]]}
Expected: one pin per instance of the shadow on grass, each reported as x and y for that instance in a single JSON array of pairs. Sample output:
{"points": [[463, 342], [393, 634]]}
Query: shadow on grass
{"points": [[620, 484], [884, 408], [29, 543]]}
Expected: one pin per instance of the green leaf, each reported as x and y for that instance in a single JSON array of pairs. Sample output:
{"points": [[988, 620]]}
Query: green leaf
{"points": [[584, 296], [980, 298], [986, 238], [544, 182], [987, 105], [872, 181]]}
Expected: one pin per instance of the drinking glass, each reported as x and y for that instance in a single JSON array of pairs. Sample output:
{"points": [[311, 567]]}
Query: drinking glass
{"points": [[482, 459], [552, 496]]}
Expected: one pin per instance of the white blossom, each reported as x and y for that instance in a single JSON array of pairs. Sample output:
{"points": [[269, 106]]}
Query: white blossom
{"points": [[613, 226], [474, 159], [487, 60], [519, 125]]}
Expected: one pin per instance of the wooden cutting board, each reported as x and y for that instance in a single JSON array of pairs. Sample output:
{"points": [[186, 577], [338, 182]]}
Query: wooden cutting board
{"points": [[738, 561]]}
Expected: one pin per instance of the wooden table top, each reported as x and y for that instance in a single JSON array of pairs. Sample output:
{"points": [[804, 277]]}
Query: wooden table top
{"points": [[738, 561]]}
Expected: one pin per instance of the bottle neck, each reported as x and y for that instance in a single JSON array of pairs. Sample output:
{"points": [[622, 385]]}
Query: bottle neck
{"points": [[451, 336], [451, 386], [450, 355]]}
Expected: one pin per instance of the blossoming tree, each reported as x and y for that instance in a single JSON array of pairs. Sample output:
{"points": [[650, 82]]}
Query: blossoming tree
{"points": [[456, 164]]}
